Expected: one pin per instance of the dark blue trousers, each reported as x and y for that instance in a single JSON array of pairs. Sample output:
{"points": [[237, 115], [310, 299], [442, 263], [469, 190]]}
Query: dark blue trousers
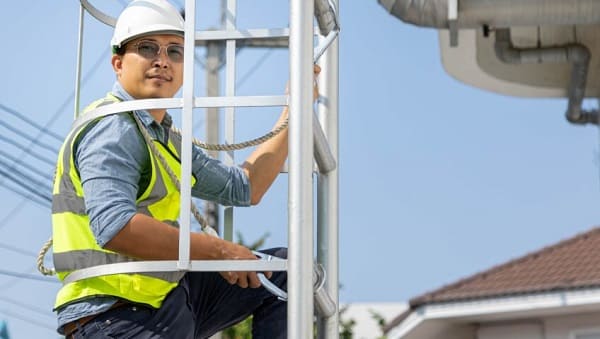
{"points": [[201, 305]]}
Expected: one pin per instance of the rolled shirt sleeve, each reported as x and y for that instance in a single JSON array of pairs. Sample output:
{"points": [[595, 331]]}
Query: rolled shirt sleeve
{"points": [[110, 159], [226, 185]]}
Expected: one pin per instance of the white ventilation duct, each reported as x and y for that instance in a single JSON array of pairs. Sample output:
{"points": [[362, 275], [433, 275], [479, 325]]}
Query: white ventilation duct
{"points": [[495, 13], [500, 16]]}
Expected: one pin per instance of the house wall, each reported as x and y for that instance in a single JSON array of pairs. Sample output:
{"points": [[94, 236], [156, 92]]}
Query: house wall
{"points": [[555, 327], [521, 330], [436, 329], [563, 327]]}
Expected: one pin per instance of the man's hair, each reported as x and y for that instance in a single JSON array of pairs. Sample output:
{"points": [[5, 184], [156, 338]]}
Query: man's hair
{"points": [[119, 50]]}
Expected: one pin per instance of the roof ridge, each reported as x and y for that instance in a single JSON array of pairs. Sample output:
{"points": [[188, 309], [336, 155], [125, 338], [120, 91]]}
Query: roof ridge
{"points": [[428, 296]]}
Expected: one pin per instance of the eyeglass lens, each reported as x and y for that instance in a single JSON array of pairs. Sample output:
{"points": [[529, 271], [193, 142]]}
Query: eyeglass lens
{"points": [[149, 50]]}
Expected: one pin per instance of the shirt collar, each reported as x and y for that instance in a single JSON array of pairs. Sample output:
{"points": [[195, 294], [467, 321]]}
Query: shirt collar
{"points": [[145, 116]]}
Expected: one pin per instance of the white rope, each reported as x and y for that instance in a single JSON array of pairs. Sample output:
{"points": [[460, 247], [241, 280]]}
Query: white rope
{"points": [[238, 146], [40, 259]]}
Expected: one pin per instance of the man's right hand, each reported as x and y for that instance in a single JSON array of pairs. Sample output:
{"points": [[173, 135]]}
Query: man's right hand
{"points": [[243, 279]]}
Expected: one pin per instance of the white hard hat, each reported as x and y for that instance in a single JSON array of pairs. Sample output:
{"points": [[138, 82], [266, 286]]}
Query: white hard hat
{"points": [[143, 17]]}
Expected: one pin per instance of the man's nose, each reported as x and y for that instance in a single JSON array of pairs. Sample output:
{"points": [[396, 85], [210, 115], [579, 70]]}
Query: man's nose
{"points": [[162, 59]]}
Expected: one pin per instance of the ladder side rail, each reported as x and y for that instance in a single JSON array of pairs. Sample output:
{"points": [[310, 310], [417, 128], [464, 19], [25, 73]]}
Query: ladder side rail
{"points": [[328, 188], [300, 196], [186, 135], [230, 71]]}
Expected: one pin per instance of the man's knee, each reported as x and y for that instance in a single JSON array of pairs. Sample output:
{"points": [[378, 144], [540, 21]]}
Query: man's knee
{"points": [[279, 252]]}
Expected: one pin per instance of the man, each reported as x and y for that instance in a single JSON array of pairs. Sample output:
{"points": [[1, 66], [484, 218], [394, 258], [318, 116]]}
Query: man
{"points": [[113, 201]]}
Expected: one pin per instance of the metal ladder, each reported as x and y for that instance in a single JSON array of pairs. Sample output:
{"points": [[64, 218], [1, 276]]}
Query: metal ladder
{"points": [[311, 139]]}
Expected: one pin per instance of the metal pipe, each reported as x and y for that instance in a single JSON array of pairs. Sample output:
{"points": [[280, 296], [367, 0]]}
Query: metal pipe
{"points": [[323, 155], [186, 135], [229, 17], [496, 13], [78, 69], [212, 125], [327, 188], [576, 54], [98, 14], [300, 200]]}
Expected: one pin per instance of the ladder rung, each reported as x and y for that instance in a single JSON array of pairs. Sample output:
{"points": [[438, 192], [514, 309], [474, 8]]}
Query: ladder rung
{"points": [[276, 264], [257, 33]]}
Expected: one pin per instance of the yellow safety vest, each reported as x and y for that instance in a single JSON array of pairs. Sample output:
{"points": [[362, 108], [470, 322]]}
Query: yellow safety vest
{"points": [[74, 244]]}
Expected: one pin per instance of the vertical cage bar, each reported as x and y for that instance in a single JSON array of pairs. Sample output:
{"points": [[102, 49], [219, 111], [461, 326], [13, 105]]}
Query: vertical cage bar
{"points": [[186, 134], [230, 24], [328, 187], [78, 69], [300, 203]]}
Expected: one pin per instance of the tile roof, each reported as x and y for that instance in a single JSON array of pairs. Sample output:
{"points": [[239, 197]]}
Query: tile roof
{"points": [[570, 264]]}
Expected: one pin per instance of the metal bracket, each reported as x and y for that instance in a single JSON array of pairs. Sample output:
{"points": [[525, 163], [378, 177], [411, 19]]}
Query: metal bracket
{"points": [[453, 22]]}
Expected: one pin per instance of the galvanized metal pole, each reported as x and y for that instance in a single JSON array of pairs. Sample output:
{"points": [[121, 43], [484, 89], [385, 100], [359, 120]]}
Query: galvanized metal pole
{"points": [[186, 134], [212, 128], [300, 201], [328, 187], [230, 47], [78, 69]]}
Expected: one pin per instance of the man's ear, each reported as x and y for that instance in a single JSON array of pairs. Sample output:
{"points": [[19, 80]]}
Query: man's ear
{"points": [[117, 64]]}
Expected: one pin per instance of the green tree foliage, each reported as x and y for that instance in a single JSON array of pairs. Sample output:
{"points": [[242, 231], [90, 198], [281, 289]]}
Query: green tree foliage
{"points": [[380, 322], [346, 326]]}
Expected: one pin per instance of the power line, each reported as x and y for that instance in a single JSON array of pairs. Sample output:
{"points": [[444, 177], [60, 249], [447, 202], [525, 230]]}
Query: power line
{"points": [[25, 185], [28, 182], [11, 215], [44, 129], [31, 122], [17, 250], [25, 136], [28, 276], [26, 149], [26, 319], [27, 196], [31, 169], [27, 306], [15, 280]]}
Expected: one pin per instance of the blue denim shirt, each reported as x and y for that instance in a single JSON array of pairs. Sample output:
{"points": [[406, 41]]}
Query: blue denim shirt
{"points": [[111, 159]]}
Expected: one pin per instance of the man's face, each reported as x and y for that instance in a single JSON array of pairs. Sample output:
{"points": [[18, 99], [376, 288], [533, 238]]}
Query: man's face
{"points": [[147, 76]]}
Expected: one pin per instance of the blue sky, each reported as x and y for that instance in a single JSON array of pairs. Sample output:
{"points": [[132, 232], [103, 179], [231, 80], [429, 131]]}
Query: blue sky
{"points": [[438, 180]]}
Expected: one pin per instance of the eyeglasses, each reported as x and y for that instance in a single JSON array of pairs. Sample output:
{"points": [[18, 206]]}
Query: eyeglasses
{"points": [[151, 49]]}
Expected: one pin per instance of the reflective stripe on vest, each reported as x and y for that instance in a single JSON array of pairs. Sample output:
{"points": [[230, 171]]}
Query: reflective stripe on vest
{"points": [[74, 244]]}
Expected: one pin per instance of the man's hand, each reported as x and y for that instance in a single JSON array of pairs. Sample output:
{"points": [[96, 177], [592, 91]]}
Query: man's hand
{"points": [[316, 71], [243, 279]]}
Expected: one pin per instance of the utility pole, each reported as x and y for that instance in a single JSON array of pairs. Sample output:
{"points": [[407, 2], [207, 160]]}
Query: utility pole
{"points": [[214, 62]]}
